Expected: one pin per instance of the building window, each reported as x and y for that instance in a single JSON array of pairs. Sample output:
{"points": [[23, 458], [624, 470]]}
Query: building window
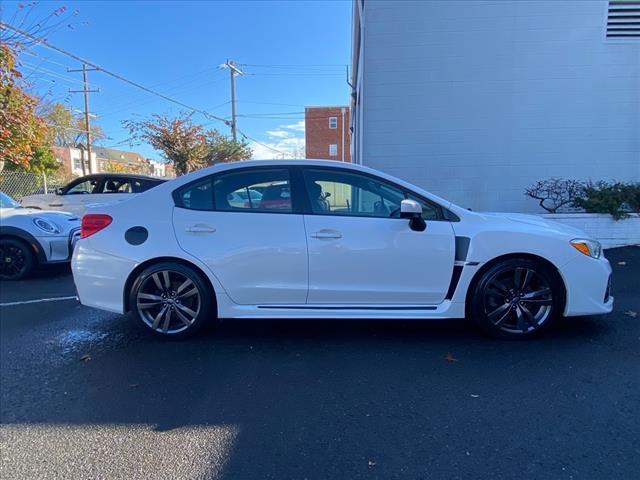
{"points": [[77, 164], [333, 122], [333, 150]]}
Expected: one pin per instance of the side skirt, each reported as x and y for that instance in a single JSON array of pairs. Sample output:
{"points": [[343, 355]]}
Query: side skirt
{"points": [[447, 309]]}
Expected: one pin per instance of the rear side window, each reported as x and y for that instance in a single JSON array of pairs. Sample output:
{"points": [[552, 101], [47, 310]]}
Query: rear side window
{"points": [[196, 196], [259, 190], [140, 186], [250, 190]]}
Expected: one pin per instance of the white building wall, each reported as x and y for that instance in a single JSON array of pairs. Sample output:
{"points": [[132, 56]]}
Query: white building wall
{"points": [[476, 100], [76, 155]]}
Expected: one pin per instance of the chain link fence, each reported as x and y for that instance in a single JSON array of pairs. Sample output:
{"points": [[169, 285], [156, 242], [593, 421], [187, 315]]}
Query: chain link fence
{"points": [[20, 184]]}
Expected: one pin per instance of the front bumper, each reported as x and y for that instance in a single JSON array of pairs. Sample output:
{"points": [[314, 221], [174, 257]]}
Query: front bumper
{"points": [[588, 286], [58, 248]]}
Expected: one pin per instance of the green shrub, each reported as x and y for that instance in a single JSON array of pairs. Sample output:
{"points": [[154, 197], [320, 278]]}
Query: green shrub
{"points": [[615, 198], [632, 196]]}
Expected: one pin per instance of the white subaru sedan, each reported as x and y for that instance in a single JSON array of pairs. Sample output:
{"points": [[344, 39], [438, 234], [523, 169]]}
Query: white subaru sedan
{"points": [[329, 240]]}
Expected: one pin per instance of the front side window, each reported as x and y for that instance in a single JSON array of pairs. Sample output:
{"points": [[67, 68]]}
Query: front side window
{"points": [[334, 192], [257, 190], [88, 186]]}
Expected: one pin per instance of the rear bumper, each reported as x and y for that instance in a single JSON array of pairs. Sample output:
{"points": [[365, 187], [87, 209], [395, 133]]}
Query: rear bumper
{"points": [[100, 278], [588, 286]]}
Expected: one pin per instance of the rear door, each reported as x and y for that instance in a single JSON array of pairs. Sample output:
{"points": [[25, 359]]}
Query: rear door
{"points": [[256, 248]]}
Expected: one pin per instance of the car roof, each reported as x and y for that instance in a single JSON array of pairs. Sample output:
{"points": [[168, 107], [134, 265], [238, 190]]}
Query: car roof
{"points": [[138, 176]]}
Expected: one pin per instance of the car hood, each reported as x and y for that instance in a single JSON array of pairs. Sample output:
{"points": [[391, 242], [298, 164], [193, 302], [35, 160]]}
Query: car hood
{"points": [[62, 218], [536, 222], [40, 197]]}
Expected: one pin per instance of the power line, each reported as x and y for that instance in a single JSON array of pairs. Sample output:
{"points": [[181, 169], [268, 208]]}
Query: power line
{"points": [[112, 74], [274, 113], [271, 103], [295, 74], [44, 59], [51, 73], [294, 65], [141, 103], [247, 137]]}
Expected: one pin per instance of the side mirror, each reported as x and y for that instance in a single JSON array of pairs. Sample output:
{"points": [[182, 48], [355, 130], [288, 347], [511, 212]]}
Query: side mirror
{"points": [[413, 211], [58, 191]]}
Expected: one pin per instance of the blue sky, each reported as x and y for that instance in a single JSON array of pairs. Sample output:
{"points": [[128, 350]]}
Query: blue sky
{"points": [[294, 51]]}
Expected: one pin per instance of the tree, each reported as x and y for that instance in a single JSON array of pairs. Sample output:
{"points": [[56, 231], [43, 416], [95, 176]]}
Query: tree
{"points": [[21, 129], [186, 145], [67, 129], [43, 160], [181, 142], [222, 148], [555, 193]]}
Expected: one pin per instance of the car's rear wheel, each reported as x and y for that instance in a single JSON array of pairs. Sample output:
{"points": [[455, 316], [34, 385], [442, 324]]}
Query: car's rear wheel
{"points": [[517, 298], [171, 300], [17, 260]]}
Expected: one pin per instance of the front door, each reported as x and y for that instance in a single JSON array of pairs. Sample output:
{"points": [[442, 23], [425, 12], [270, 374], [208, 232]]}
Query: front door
{"points": [[243, 226], [77, 195], [361, 252]]}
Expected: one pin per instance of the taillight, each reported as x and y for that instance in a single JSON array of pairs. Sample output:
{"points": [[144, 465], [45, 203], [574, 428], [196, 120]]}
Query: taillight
{"points": [[93, 223]]}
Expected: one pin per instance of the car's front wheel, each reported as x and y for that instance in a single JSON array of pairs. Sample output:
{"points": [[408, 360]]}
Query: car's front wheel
{"points": [[171, 299], [17, 260], [517, 298]]}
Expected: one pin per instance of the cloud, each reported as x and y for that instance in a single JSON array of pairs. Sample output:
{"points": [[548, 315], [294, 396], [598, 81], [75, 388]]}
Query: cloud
{"points": [[298, 126], [280, 133], [283, 140], [291, 147]]}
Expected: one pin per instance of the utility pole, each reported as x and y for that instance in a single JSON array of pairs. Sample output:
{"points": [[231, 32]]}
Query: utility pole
{"points": [[87, 124], [233, 71]]}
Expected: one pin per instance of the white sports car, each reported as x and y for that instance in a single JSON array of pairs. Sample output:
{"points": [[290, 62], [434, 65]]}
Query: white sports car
{"points": [[30, 237], [329, 240]]}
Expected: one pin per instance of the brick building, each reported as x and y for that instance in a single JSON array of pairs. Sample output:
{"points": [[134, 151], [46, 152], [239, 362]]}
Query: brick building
{"points": [[327, 133]]}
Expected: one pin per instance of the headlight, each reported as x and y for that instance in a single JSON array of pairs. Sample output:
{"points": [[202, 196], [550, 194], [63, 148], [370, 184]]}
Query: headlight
{"points": [[46, 225], [591, 248]]}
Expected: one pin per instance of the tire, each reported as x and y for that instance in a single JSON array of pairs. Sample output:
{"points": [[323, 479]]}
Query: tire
{"points": [[517, 299], [171, 300], [17, 260]]}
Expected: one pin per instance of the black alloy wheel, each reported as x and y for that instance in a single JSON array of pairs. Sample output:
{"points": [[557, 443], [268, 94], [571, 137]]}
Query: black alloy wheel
{"points": [[171, 300], [16, 259], [517, 299]]}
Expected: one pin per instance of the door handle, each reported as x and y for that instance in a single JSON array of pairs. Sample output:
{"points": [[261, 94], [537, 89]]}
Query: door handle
{"points": [[55, 205], [326, 234], [199, 228]]}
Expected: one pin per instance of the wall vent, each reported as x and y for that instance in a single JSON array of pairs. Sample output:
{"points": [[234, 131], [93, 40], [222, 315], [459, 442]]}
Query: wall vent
{"points": [[623, 19]]}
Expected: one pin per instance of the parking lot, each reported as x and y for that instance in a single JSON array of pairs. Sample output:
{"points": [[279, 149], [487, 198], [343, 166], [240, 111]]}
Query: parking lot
{"points": [[88, 393]]}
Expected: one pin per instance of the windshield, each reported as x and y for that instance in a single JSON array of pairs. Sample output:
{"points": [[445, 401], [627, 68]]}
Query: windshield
{"points": [[7, 202]]}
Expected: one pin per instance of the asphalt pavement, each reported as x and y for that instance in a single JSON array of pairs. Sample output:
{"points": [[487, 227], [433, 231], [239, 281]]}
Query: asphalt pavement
{"points": [[89, 394]]}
